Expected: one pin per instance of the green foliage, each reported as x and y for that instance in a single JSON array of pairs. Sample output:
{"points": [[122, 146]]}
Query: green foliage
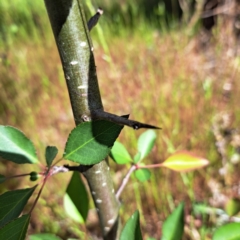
{"points": [[50, 154], [229, 231], [15, 146], [145, 144], [12, 204], [16, 229], [90, 142], [2, 178], [232, 206], [76, 199], [142, 175], [131, 230], [43, 236], [120, 154], [173, 226]]}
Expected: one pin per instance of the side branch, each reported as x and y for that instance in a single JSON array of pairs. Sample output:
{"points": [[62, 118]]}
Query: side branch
{"points": [[121, 120]]}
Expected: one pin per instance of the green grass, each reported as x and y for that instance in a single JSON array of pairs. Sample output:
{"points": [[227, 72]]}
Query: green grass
{"points": [[158, 77]]}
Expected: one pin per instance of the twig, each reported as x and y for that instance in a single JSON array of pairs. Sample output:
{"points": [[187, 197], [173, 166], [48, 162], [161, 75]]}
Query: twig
{"points": [[16, 176], [125, 181]]}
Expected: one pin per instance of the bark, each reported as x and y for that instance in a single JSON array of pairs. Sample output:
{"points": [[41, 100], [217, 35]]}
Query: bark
{"points": [[76, 51]]}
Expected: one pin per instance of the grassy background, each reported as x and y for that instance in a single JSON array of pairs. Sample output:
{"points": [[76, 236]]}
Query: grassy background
{"points": [[148, 66]]}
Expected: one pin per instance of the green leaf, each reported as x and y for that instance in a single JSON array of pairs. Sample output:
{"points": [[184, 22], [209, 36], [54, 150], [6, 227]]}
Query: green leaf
{"points": [[232, 206], [76, 199], [16, 229], [44, 236], [12, 204], [142, 174], [131, 230], [2, 178], [120, 154], [137, 157], [173, 226], [15, 146], [145, 144], [50, 154], [90, 142], [230, 231]]}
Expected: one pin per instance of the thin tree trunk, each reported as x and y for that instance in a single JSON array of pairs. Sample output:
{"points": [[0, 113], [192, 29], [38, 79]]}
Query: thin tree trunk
{"points": [[75, 48]]}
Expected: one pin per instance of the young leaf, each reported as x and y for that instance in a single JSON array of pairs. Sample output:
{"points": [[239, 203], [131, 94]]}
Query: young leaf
{"points": [[142, 174], [184, 161], [44, 236], [131, 230], [173, 226], [12, 204], [15, 146], [120, 154], [50, 154], [76, 199], [230, 231], [16, 229], [90, 142], [2, 178], [145, 143]]}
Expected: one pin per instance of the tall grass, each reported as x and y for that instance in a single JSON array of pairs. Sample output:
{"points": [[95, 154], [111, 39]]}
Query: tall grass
{"points": [[158, 75]]}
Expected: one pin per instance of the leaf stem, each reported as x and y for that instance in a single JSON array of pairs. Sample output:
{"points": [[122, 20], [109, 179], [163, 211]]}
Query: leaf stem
{"points": [[16, 176], [40, 191], [149, 166]]}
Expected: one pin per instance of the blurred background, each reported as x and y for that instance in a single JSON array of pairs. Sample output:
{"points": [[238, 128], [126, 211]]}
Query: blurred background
{"points": [[169, 63]]}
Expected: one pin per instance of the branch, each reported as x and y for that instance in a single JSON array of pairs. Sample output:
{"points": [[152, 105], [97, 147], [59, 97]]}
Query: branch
{"points": [[121, 120], [76, 51], [125, 180]]}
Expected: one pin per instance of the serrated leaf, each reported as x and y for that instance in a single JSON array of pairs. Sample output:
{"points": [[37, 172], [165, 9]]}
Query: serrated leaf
{"points": [[12, 204], [132, 230], [173, 226], [90, 142], [230, 231], [120, 154], [15, 146], [44, 236], [76, 199], [2, 178], [142, 174], [232, 206], [16, 229], [50, 154], [145, 143], [184, 161]]}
